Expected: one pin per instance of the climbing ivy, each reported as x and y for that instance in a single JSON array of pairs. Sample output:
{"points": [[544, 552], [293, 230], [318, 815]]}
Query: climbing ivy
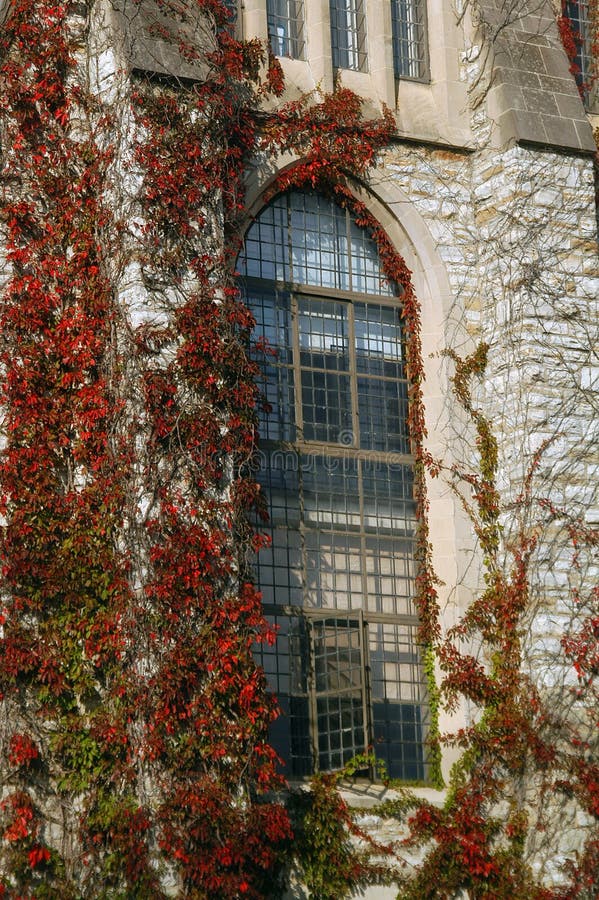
{"points": [[135, 716]]}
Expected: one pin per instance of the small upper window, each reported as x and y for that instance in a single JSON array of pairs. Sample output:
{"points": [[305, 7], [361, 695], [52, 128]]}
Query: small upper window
{"points": [[348, 34], [286, 27], [410, 51], [578, 14]]}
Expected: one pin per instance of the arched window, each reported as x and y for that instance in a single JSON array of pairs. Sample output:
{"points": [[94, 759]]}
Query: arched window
{"points": [[338, 578]]}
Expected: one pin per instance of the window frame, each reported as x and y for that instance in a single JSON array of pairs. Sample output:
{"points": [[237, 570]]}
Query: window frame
{"points": [[291, 44], [409, 694], [349, 39], [578, 14], [402, 62]]}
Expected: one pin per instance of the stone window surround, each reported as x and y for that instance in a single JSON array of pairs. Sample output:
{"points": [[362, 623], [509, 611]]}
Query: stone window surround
{"points": [[449, 531]]}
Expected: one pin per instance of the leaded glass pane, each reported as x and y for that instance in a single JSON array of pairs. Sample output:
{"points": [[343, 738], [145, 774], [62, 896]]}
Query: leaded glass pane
{"points": [[319, 246], [339, 687], [390, 574], [388, 497], [305, 238], [331, 492], [334, 570], [367, 275], [398, 699], [383, 410], [285, 19], [379, 340], [410, 52], [337, 473], [266, 255], [348, 34]]}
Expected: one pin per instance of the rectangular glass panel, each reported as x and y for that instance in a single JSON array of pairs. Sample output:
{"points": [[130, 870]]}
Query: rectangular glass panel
{"points": [[286, 665], [379, 340], [339, 686], [333, 571], [331, 492], [266, 250], [388, 492], [390, 576], [326, 407], [323, 334], [286, 27], [382, 411], [408, 24], [324, 351], [348, 34], [398, 699], [271, 347]]}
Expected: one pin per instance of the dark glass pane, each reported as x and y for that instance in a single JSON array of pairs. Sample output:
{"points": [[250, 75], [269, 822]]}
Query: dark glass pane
{"points": [[383, 411], [266, 250], [286, 27], [398, 692], [401, 749], [331, 491], [272, 342], [326, 407], [348, 34], [338, 743], [276, 413], [408, 30]]}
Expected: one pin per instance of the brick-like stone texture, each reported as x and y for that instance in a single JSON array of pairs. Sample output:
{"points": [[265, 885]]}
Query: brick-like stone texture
{"points": [[532, 95]]}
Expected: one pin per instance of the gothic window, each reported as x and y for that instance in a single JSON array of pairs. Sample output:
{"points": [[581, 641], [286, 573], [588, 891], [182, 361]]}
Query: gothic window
{"points": [[409, 35], [286, 27], [348, 34], [337, 471]]}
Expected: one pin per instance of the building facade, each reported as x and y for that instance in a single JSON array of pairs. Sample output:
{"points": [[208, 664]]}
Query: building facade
{"points": [[488, 192]]}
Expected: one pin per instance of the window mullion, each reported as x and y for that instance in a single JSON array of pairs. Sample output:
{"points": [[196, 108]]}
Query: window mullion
{"points": [[366, 717], [312, 701], [297, 368], [353, 378]]}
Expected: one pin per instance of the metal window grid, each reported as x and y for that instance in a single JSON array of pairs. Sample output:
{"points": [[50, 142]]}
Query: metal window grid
{"points": [[339, 575], [305, 239], [346, 683], [409, 38], [285, 19], [348, 34]]}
